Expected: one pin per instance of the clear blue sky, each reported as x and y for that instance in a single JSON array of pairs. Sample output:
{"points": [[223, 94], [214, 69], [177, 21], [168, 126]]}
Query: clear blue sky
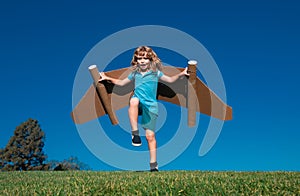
{"points": [[254, 43]]}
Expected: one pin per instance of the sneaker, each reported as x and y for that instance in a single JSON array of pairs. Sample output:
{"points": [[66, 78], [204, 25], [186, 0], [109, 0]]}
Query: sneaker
{"points": [[136, 140], [153, 167], [154, 170]]}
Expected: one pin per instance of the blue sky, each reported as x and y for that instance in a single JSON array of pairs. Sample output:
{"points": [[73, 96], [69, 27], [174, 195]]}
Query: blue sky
{"points": [[254, 43]]}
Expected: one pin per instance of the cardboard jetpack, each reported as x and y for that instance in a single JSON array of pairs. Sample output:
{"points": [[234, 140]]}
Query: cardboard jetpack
{"points": [[188, 91]]}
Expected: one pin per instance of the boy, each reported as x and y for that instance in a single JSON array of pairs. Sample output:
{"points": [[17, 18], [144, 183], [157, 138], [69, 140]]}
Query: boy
{"points": [[146, 71]]}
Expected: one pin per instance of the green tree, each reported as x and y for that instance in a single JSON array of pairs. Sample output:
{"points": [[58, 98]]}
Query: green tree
{"points": [[72, 163], [1, 161], [24, 150]]}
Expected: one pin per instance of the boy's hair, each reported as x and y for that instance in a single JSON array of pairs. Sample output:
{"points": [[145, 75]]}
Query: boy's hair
{"points": [[155, 63]]}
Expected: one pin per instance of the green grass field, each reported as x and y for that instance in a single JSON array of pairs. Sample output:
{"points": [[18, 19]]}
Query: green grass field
{"points": [[146, 183]]}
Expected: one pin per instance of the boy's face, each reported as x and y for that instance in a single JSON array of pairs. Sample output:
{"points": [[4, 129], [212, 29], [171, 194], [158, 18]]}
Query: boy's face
{"points": [[143, 61]]}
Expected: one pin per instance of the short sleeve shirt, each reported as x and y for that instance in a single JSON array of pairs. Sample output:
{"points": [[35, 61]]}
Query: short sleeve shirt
{"points": [[146, 88]]}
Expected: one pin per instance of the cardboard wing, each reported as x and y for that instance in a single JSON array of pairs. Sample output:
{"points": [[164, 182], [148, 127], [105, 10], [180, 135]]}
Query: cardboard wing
{"points": [[104, 97]]}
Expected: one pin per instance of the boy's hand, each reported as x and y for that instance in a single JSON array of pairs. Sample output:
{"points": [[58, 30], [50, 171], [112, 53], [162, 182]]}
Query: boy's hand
{"points": [[102, 77], [185, 72]]}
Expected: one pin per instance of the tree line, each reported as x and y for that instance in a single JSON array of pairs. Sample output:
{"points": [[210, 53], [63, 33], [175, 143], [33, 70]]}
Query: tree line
{"points": [[24, 152]]}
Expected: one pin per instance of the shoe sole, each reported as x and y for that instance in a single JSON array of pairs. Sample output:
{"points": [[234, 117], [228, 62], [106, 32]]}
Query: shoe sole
{"points": [[136, 144]]}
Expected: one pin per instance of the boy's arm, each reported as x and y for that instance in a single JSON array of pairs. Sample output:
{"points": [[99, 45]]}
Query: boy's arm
{"points": [[114, 80], [171, 79]]}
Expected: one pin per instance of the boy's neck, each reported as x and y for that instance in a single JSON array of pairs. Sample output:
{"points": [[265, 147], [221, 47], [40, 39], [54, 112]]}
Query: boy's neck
{"points": [[144, 71]]}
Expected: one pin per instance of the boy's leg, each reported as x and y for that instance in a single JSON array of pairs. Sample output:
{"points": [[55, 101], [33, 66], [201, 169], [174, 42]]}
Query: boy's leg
{"points": [[133, 113], [149, 123], [150, 135]]}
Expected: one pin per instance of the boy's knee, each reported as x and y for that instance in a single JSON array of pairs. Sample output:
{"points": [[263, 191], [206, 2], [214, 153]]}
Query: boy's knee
{"points": [[150, 136], [134, 102]]}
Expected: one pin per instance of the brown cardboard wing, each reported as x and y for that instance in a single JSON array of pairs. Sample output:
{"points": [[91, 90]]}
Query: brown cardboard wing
{"points": [[89, 107], [206, 101], [92, 106]]}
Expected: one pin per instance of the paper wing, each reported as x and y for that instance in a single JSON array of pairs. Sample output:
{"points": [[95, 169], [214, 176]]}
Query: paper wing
{"points": [[91, 106], [206, 101], [203, 100]]}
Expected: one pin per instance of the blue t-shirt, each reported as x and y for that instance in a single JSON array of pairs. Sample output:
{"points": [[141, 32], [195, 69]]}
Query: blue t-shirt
{"points": [[146, 88]]}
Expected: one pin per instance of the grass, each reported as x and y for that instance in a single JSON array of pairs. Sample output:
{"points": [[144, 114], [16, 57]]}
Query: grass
{"points": [[146, 183]]}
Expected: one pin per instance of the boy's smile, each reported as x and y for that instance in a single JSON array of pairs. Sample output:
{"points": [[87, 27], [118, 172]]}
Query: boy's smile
{"points": [[144, 67], [143, 62]]}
